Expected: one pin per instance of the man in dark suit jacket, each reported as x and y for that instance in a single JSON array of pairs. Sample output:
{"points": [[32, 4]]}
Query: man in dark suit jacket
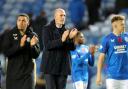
{"points": [[57, 42]]}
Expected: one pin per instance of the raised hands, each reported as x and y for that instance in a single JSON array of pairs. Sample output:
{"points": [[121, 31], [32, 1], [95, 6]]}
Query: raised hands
{"points": [[65, 35], [69, 33], [92, 49], [23, 39], [34, 41], [73, 33]]}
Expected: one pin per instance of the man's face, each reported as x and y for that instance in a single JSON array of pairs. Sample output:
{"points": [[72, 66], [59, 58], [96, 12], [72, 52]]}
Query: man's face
{"points": [[81, 39], [60, 16], [120, 25], [22, 22]]}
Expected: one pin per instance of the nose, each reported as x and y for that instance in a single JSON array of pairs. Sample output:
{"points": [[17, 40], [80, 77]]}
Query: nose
{"points": [[63, 16]]}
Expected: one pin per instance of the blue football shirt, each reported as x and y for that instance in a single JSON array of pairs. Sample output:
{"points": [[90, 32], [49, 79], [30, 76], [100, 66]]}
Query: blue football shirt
{"points": [[81, 58], [115, 48]]}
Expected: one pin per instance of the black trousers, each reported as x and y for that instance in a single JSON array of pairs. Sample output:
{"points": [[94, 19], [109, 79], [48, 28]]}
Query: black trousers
{"points": [[55, 81]]}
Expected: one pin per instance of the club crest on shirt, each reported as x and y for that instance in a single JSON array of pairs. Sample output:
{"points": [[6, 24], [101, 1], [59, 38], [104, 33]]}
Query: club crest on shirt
{"points": [[15, 36], [126, 39], [83, 50]]}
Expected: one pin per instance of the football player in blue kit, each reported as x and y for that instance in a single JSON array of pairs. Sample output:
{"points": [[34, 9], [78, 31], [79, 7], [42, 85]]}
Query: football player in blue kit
{"points": [[82, 57], [114, 54]]}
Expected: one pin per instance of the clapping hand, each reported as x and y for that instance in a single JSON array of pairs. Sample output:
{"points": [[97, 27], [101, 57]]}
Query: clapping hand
{"points": [[34, 41], [23, 39], [92, 49], [73, 33], [65, 35]]}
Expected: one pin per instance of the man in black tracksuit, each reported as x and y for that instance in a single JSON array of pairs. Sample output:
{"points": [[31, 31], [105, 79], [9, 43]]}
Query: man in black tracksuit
{"points": [[57, 42], [20, 47]]}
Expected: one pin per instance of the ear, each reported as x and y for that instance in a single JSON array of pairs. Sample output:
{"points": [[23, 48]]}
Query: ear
{"points": [[115, 26], [28, 23]]}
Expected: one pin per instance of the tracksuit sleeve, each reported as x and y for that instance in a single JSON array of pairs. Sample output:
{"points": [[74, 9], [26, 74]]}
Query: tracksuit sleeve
{"points": [[90, 59], [35, 51]]}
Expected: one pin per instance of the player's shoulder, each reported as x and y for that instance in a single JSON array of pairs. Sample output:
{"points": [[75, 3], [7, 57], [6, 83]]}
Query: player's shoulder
{"points": [[84, 46], [125, 33], [109, 36], [125, 36], [11, 32]]}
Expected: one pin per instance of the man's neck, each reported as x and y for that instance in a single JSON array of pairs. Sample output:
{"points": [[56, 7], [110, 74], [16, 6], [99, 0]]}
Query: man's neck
{"points": [[59, 25], [76, 43], [22, 32]]}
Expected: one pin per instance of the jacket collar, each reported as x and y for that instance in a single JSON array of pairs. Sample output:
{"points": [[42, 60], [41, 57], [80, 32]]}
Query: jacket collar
{"points": [[29, 29], [53, 26]]}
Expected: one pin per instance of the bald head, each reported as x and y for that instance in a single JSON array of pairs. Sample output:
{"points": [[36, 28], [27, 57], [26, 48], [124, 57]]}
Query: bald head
{"points": [[59, 16], [59, 10]]}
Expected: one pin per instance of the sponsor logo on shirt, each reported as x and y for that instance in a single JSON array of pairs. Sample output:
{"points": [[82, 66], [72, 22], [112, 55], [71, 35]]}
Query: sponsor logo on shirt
{"points": [[120, 49], [15, 36]]}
